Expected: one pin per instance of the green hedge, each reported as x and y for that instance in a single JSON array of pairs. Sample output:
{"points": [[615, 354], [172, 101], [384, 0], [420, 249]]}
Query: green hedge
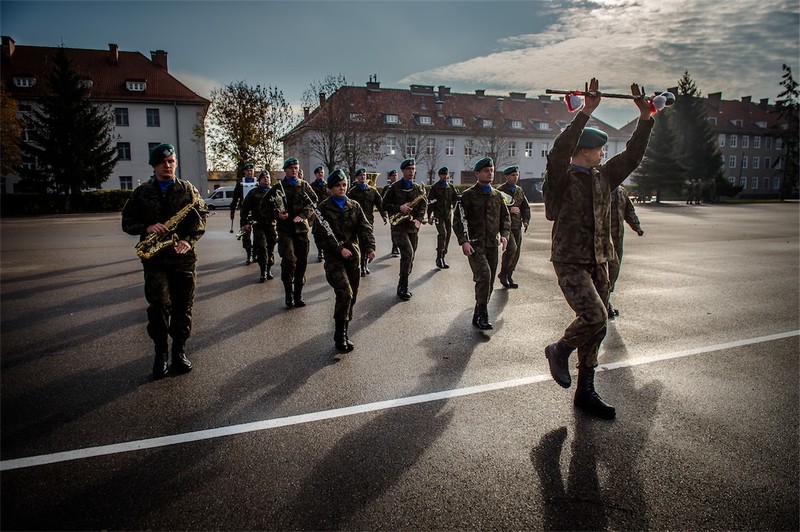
{"points": [[41, 204]]}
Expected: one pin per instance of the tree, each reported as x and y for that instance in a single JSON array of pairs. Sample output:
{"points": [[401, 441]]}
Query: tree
{"points": [[70, 137], [11, 131], [244, 124], [662, 169], [418, 138], [788, 108]]}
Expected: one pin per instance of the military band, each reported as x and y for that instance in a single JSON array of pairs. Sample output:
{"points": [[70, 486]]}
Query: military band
{"points": [[520, 212], [442, 197], [259, 225], [370, 199], [249, 171]]}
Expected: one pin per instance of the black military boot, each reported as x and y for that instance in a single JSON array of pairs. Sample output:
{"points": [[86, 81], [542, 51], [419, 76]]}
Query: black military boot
{"points": [[298, 295], [558, 356], [263, 275], [612, 312], [475, 315], [586, 397], [287, 287], [320, 256], [269, 272], [340, 337], [511, 283], [402, 289], [347, 341], [503, 279], [161, 363], [439, 261], [444, 264], [249, 256], [482, 320], [180, 363]]}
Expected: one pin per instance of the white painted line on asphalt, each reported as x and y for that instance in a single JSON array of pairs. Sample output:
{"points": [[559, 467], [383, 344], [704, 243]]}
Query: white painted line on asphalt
{"points": [[175, 439]]}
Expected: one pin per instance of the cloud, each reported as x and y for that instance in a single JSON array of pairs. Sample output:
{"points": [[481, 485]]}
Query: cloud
{"points": [[199, 84]]}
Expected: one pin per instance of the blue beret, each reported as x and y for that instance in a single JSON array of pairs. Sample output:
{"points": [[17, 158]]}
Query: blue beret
{"points": [[483, 163], [392, 172], [161, 152], [336, 177], [407, 163], [248, 166], [444, 170], [263, 173], [360, 171], [592, 138], [511, 169], [289, 162], [318, 169]]}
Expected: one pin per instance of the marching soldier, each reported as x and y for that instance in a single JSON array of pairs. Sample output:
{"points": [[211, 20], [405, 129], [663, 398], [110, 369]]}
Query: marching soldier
{"points": [[169, 275], [258, 223], [238, 199], [622, 210], [370, 199], [320, 187], [482, 222], [577, 194], [347, 236], [391, 177], [442, 198], [405, 202], [520, 212], [290, 202]]}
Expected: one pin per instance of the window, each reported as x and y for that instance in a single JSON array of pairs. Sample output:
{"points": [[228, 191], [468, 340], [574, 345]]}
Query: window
{"points": [[512, 148], [430, 149], [754, 183], [468, 148], [529, 149], [542, 126], [745, 141], [766, 162], [744, 161], [153, 118], [756, 142], [766, 183], [24, 82], [450, 147], [743, 182], [734, 140], [732, 161], [768, 143], [732, 180], [778, 163], [486, 122], [712, 120], [776, 184], [721, 137], [425, 120], [457, 121], [516, 124], [761, 124], [136, 86], [756, 163], [391, 145], [121, 116], [123, 151], [778, 143], [125, 182], [545, 149], [392, 119], [411, 147], [736, 122]]}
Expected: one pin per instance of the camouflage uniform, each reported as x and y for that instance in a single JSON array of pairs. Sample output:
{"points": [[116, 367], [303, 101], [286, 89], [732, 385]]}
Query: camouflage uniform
{"points": [[320, 188], [514, 249], [487, 220], [405, 234], [370, 199], [236, 202], [169, 277], [293, 241], [442, 197], [622, 209], [578, 201], [262, 229]]}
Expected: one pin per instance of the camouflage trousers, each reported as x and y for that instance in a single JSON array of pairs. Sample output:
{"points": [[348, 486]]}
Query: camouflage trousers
{"points": [[444, 228], [512, 252], [264, 244], [585, 287], [293, 249], [484, 267], [407, 244], [615, 265], [169, 291], [344, 277]]}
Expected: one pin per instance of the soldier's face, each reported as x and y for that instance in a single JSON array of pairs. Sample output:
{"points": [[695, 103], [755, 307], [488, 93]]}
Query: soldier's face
{"points": [[409, 172], [250, 172], [165, 170], [485, 175], [593, 156], [292, 170], [339, 189], [361, 178], [512, 178], [320, 174]]}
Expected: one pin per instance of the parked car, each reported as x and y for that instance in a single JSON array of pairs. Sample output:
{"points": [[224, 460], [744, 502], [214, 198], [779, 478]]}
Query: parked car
{"points": [[223, 196]]}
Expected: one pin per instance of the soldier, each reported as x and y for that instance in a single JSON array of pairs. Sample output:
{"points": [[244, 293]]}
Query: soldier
{"points": [[520, 212], [697, 190], [391, 177], [169, 276], [291, 203], [238, 199], [622, 209], [482, 222], [405, 201], [343, 232], [577, 194], [370, 199], [442, 199], [320, 187], [259, 223]]}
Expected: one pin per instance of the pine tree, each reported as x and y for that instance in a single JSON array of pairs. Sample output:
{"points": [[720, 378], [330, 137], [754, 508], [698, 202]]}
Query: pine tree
{"points": [[662, 169], [788, 108], [70, 137], [11, 131]]}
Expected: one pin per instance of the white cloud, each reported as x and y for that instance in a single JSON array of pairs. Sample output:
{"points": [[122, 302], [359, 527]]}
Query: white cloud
{"points": [[199, 84]]}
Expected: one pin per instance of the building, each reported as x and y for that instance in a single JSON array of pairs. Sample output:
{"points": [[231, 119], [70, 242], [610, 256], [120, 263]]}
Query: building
{"points": [[149, 105], [442, 128]]}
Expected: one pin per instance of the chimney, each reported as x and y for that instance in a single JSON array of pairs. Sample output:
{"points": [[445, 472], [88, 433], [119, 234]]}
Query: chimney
{"points": [[373, 85], [439, 105], [306, 112], [8, 47], [499, 105], [517, 95], [113, 53], [159, 58], [443, 91], [479, 93], [714, 99], [321, 99], [764, 102]]}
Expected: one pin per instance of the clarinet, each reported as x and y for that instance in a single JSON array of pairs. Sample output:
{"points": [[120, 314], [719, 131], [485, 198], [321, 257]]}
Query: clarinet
{"points": [[463, 216], [322, 221]]}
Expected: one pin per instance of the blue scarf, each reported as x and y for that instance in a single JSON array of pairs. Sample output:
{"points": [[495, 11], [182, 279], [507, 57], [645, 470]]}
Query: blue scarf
{"points": [[485, 188], [291, 181], [362, 186], [249, 179], [443, 184], [165, 184], [265, 189], [512, 188], [407, 185], [340, 202], [320, 182], [582, 168]]}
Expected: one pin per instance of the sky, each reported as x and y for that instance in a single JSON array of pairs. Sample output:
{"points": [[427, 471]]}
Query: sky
{"points": [[735, 47]]}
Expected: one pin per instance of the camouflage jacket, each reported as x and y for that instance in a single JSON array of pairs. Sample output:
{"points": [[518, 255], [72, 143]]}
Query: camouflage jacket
{"points": [[349, 227], [320, 189], [149, 205], [293, 198], [397, 196], [251, 208], [441, 200], [520, 201], [622, 209], [486, 217], [578, 200], [369, 199]]}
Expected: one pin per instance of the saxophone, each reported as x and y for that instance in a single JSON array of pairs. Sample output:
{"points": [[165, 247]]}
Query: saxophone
{"points": [[156, 242], [399, 217]]}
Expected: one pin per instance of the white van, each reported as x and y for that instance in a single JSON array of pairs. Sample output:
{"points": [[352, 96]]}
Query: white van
{"points": [[223, 196]]}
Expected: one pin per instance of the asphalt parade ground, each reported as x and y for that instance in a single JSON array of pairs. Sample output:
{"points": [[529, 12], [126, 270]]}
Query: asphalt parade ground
{"points": [[428, 424]]}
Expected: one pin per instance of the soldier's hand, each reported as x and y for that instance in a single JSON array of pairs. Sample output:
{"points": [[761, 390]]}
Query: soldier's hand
{"points": [[370, 256], [246, 228], [591, 98], [181, 247], [283, 215], [513, 210], [467, 249], [640, 232], [504, 242], [404, 208], [157, 228], [346, 253], [642, 103], [417, 224], [526, 227]]}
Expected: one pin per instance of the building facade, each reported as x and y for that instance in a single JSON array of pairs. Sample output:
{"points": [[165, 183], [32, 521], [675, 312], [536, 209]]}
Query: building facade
{"points": [[149, 106]]}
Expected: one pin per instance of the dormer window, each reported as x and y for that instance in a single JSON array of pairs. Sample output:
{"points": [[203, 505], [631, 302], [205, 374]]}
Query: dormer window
{"points": [[456, 121], [712, 120], [486, 122], [736, 122], [425, 120], [761, 124], [136, 86], [516, 124], [86, 83], [542, 126], [24, 82], [392, 119]]}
